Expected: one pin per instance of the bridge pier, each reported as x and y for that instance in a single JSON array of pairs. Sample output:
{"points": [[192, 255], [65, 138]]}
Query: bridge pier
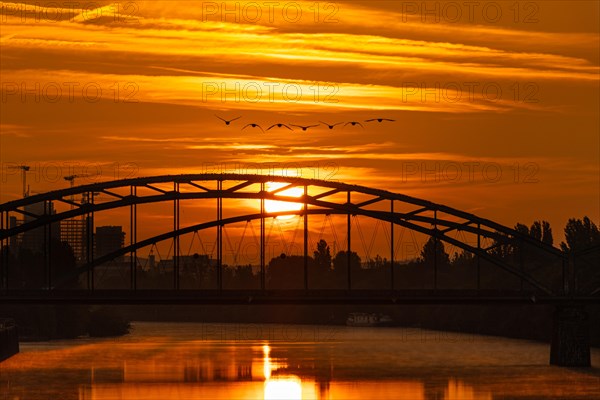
{"points": [[9, 339], [570, 337]]}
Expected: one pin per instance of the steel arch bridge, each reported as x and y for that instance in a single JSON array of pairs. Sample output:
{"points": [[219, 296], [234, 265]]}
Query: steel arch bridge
{"points": [[318, 197]]}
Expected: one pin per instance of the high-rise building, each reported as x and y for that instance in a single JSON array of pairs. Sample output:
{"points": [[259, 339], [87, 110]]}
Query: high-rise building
{"points": [[108, 240], [74, 232]]}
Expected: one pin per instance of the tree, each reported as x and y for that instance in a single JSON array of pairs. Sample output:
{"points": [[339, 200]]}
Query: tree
{"points": [[522, 228], [432, 250], [29, 267], [580, 235], [524, 253], [462, 259], [520, 251], [340, 262], [323, 255], [376, 263], [63, 264], [539, 230], [244, 275], [286, 272]]}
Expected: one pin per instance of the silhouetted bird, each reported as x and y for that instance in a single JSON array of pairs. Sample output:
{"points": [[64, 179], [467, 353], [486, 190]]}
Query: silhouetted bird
{"points": [[254, 126], [354, 123], [279, 126], [331, 126], [304, 128], [227, 122], [380, 120]]}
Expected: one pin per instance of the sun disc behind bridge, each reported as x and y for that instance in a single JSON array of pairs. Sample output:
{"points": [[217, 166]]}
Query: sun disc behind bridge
{"points": [[272, 206]]}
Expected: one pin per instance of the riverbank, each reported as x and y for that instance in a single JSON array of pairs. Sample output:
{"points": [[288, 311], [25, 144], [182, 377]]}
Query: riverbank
{"points": [[51, 322]]}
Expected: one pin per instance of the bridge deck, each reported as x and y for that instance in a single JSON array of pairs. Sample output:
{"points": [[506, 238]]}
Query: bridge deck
{"points": [[274, 297]]}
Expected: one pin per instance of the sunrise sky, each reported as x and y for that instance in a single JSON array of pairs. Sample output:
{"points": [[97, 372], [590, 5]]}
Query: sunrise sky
{"points": [[496, 107]]}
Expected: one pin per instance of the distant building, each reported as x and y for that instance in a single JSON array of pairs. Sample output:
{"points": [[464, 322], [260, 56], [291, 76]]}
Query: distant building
{"points": [[74, 232], [108, 240], [33, 239]]}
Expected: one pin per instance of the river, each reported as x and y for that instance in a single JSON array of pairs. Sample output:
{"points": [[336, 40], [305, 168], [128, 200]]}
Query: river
{"points": [[166, 361]]}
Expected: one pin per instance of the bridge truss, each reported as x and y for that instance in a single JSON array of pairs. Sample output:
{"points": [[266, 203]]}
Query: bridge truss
{"points": [[480, 237]]}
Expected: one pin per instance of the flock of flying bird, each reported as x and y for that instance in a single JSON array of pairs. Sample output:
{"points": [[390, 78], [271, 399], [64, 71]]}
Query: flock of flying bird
{"points": [[305, 127]]}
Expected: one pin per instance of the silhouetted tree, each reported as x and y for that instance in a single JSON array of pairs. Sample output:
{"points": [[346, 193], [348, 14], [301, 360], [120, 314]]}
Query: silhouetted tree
{"points": [[377, 263], [522, 253], [286, 272], [29, 269], [244, 274], [432, 250], [522, 228], [63, 264], [503, 250], [340, 263], [323, 255], [517, 251], [539, 230], [463, 258], [580, 235], [341, 260]]}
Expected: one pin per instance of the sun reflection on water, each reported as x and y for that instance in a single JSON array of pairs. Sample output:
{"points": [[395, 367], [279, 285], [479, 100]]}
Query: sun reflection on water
{"points": [[288, 388], [280, 387]]}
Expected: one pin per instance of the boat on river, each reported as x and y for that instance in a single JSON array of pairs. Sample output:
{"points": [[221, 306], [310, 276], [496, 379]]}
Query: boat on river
{"points": [[368, 319]]}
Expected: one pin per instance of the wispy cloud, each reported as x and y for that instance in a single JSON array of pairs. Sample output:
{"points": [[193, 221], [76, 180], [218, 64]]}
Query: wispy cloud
{"points": [[440, 81]]}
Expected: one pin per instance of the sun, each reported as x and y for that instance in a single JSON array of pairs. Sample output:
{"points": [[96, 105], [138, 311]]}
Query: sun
{"points": [[272, 206]]}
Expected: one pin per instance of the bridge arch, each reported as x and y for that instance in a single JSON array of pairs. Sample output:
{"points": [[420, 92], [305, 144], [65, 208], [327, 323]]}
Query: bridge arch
{"points": [[320, 197]]}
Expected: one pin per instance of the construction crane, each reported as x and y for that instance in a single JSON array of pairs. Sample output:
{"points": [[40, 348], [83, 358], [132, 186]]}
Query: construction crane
{"points": [[24, 169], [71, 178], [85, 198]]}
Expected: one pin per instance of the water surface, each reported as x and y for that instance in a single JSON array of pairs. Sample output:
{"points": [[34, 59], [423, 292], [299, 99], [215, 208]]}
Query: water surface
{"points": [[164, 361]]}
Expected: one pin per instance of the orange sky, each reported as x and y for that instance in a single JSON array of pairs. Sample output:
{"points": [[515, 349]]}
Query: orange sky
{"points": [[520, 93]]}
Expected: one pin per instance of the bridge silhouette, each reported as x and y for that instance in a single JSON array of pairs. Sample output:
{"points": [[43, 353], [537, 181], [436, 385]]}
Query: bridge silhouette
{"points": [[564, 286]]}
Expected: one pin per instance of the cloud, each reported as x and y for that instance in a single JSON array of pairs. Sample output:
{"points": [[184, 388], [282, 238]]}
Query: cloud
{"points": [[501, 93]]}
